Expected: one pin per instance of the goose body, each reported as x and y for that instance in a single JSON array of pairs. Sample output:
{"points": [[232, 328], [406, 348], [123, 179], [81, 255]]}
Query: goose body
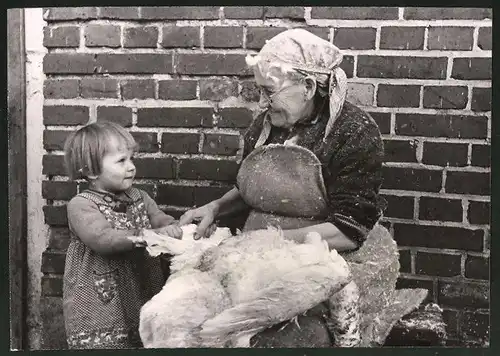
{"points": [[223, 291]]}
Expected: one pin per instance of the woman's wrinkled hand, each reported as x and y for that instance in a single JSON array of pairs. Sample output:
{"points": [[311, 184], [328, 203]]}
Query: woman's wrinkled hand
{"points": [[172, 230], [205, 215]]}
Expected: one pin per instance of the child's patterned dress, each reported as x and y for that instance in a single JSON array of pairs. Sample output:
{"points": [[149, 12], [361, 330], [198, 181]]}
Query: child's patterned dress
{"points": [[102, 295]]}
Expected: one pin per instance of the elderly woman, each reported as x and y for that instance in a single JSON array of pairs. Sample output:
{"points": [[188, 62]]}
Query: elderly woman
{"points": [[312, 161]]}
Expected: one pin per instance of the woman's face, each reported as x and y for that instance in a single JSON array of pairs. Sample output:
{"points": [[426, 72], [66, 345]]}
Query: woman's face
{"points": [[288, 101]]}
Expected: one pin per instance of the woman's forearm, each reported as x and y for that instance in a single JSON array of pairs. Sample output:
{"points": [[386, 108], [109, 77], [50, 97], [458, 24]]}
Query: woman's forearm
{"points": [[329, 232], [230, 203]]}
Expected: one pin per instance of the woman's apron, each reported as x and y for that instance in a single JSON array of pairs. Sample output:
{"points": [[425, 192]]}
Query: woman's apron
{"points": [[283, 184]]}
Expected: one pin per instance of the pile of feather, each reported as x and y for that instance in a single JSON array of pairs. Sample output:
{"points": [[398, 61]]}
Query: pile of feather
{"points": [[225, 289]]}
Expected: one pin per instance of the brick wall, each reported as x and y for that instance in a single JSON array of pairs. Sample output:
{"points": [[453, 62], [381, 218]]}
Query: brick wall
{"points": [[176, 78]]}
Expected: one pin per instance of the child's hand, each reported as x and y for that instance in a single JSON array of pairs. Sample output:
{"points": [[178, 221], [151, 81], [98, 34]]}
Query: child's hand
{"points": [[172, 230], [138, 241]]}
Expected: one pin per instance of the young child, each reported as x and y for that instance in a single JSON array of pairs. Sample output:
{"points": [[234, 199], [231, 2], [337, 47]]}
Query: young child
{"points": [[108, 274]]}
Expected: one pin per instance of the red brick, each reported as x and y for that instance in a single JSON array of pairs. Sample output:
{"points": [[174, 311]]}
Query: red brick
{"points": [[440, 209], [53, 262], [354, 38], [438, 237], [177, 142], [175, 117], [220, 144], [184, 37], [479, 212], [52, 286], [177, 89], [68, 63], [475, 327], [211, 64], [217, 89], [180, 12], [99, 88], [65, 115], [322, 32], [119, 114], [147, 141], [140, 37], [61, 88], [80, 63], [400, 151], [405, 261], [383, 121], [244, 12], [481, 99], [162, 168], [61, 36], [53, 165], [415, 282], [445, 154], [406, 38], [58, 190], [484, 40], [399, 207], [54, 140], [450, 38], [348, 66], [138, 89], [481, 155], [401, 67], [291, 12], [398, 96], [452, 126], [249, 91], [468, 183], [477, 267], [102, 36], [462, 294], [204, 195], [119, 13], [179, 195], [446, 13], [223, 37], [257, 36], [471, 68], [235, 118], [354, 13], [59, 238], [55, 215], [445, 97], [69, 13], [450, 318], [411, 179], [437, 264], [220, 170]]}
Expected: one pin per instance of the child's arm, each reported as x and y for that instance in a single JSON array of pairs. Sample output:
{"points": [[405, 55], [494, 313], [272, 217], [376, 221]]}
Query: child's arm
{"points": [[157, 217], [90, 225], [161, 222]]}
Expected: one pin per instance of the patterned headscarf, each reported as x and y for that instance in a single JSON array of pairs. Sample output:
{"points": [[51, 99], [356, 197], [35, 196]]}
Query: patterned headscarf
{"points": [[299, 51]]}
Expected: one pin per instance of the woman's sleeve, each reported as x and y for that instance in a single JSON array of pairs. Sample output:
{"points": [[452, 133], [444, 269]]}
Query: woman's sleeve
{"points": [[354, 181], [89, 224], [157, 217]]}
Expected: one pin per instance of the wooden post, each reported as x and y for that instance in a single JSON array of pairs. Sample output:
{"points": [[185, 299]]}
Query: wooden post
{"points": [[16, 97]]}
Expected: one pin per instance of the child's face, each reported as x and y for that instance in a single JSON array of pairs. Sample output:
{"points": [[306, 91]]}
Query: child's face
{"points": [[118, 170]]}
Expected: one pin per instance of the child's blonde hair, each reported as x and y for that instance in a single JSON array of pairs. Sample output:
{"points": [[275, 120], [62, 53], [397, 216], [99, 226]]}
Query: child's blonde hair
{"points": [[85, 148]]}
